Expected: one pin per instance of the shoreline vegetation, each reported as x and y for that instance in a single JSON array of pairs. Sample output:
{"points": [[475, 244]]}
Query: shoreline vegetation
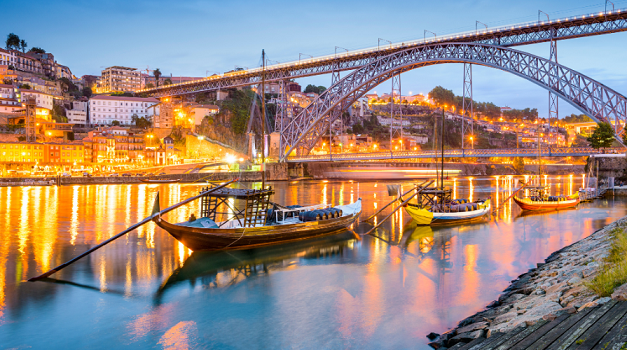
{"points": [[585, 274]]}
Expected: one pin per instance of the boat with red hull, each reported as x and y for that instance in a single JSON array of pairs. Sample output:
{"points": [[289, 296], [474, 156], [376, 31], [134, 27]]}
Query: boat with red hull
{"points": [[539, 200]]}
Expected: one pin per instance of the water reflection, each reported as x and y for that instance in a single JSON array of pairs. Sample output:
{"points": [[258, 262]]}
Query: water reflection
{"points": [[148, 290]]}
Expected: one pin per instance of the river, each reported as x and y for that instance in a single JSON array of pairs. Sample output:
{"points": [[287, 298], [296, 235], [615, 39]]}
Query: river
{"points": [[146, 290]]}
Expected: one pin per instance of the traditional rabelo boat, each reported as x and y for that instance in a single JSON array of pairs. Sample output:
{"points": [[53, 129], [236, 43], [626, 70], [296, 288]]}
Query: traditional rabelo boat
{"points": [[538, 199], [250, 220], [158, 181], [435, 206]]}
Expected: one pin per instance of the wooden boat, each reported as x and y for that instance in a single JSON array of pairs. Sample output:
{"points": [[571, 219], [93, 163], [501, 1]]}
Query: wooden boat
{"points": [[539, 200], [156, 181], [435, 207], [256, 225]]}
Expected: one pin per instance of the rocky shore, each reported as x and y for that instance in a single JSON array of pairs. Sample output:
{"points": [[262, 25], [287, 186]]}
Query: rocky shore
{"points": [[553, 288]]}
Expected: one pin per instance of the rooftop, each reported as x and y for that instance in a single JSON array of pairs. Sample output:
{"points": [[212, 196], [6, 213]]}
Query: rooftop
{"points": [[124, 98]]}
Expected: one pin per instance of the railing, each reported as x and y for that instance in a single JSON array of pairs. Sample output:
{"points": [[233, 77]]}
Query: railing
{"points": [[458, 153]]}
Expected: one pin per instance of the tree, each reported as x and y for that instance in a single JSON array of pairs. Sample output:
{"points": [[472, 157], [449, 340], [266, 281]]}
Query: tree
{"points": [[141, 122], [115, 123], [519, 165], [87, 91], [58, 113], [167, 81], [23, 45], [7, 81], [67, 84], [602, 137], [150, 86], [315, 89], [442, 96], [37, 50], [25, 86], [12, 42], [157, 74]]}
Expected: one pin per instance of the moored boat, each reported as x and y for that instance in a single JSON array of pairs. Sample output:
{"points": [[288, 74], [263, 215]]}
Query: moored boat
{"points": [[257, 224], [435, 207], [538, 199]]}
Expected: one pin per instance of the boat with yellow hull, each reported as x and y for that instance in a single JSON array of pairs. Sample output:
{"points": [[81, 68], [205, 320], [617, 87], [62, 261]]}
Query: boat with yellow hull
{"points": [[428, 216]]}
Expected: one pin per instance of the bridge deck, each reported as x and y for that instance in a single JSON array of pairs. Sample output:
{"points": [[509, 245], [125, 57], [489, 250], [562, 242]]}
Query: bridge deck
{"points": [[458, 153], [603, 327]]}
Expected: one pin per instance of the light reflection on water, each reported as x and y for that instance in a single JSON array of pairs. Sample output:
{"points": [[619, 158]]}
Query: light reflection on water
{"points": [[147, 290]]}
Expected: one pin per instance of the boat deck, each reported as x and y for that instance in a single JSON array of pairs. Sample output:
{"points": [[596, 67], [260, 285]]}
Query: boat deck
{"points": [[602, 328]]}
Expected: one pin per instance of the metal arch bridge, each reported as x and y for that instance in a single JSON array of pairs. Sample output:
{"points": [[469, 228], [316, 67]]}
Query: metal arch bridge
{"points": [[592, 98], [456, 153], [505, 36]]}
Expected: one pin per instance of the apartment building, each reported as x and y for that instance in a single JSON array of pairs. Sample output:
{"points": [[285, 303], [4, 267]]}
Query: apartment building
{"points": [[105, 109], [6, 57], [119, 78]]}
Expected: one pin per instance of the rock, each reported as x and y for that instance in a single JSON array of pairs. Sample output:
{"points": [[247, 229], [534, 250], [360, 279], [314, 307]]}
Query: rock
{"points": [[558, 287], [565, 301], [437, 344], [575, 291], [506, 317], [574, 280], [603, 300], [473, 327], [587, 305], [464, 337], [432, 335], [555, 297], [620, 293], [514, 297], [493, 304]]}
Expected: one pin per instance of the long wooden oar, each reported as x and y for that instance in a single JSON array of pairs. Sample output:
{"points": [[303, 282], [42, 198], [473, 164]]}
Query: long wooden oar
{"points": [[404, 194], [400, 206], [155, 213]]}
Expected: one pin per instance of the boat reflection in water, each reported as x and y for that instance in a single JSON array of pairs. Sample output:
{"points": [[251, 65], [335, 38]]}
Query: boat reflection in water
{"points": [[223, 269]]}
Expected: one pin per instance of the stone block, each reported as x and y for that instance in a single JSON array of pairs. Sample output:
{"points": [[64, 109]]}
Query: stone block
{"points": [[620, 293]]}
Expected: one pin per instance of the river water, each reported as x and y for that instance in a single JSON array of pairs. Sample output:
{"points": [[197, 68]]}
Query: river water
{"points": [[146, 290]]}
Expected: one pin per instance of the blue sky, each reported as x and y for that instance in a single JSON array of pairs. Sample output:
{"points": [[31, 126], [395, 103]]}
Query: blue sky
{"points": [[190, 38]]}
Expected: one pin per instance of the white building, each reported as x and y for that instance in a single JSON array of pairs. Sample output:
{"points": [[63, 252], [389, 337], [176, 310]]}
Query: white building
{"points": [[43, 100], [105, 109], [200, 111], [76, 116], [6, 57], [118, 78]]}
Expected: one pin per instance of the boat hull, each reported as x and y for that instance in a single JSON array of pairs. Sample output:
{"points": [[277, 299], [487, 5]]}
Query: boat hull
{"points": [[211, 239], [527, 204], [425, 217]]}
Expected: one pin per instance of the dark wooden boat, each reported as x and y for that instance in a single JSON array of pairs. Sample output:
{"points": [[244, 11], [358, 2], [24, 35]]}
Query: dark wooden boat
{"points": [[254, 225], [156, 181]]}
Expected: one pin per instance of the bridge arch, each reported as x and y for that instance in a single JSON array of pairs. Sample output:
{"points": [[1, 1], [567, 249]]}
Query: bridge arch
{"points": [[592, 98]]}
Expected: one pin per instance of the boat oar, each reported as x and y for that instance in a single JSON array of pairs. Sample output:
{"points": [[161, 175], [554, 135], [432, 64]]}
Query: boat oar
{"points": [[397, 208], [387, 205], [155, 213]]}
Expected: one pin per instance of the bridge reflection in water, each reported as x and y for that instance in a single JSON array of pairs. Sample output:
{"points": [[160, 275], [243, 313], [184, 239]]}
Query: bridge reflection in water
{"points": [[333, 292]]}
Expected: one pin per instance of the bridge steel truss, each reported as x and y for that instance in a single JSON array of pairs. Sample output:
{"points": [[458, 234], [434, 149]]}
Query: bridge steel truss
{"points": [[581, 26], [592, 98]]}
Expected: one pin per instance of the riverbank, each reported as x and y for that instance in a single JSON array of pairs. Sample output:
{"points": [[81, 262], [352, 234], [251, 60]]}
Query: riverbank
{"points": [[562, 285]]}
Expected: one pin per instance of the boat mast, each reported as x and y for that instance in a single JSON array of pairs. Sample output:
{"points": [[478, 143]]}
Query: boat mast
{"points": [[263, 117]]}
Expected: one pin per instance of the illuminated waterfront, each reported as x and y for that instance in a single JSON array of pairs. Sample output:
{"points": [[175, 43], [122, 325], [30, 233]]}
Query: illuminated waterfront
{"points": [[335, 292]]}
